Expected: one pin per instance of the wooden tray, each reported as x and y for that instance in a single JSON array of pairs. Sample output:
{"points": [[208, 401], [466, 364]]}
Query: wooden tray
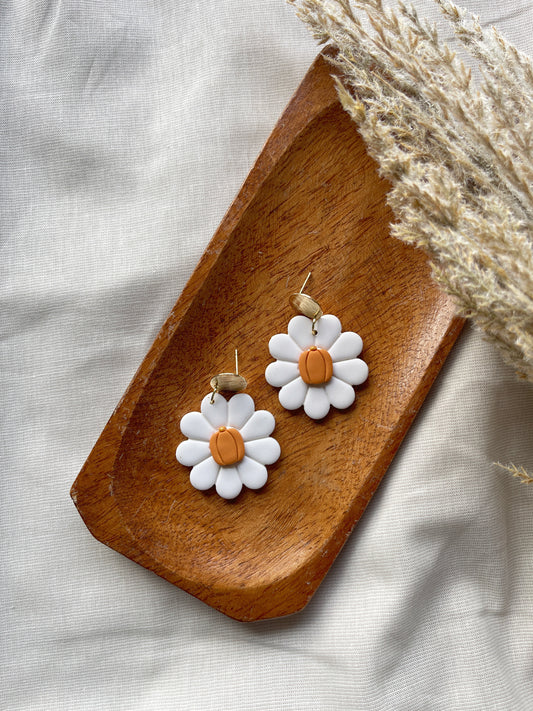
{"points": [[313, 201]]}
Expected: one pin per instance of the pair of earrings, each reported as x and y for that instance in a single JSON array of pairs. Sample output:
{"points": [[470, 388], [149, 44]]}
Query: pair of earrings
{"points": [[229, 444]]}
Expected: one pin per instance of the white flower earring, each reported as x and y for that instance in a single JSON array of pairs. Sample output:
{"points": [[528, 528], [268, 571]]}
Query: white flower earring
{"points": [[229, 443], [316, 363]]}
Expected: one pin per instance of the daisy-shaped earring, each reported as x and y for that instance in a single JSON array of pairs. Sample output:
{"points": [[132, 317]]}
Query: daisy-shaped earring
{"points": [[229, 443], [316, 363]]}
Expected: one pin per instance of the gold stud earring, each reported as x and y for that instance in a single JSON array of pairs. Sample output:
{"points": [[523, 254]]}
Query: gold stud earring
{"points": [[317, 363], [229, 443]]}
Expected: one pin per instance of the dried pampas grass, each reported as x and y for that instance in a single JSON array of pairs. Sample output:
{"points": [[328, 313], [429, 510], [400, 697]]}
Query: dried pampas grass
{"points": [[459, 156], [518, 472]]}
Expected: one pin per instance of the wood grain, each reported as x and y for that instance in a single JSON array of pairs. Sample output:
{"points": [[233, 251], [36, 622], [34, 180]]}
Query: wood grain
{"points": [[313, 201]]}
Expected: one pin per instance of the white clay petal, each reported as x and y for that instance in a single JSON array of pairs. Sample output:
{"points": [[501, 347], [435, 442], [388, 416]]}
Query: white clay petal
{"points": [[228, 483], [192, 452], [292, 396], [348, 345], [253, 474], [316, 404], [340, 394], [240, 409], [281, 372], [264, 451], [195, 426], [282, 347], [216, 413], [328, 329], [204, 475], [301, 331], [260, 424], [353, 371]]}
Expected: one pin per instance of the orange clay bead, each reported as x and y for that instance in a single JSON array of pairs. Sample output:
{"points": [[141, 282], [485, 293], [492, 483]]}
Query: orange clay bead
{"points": [[227, 446], [315, 365]]}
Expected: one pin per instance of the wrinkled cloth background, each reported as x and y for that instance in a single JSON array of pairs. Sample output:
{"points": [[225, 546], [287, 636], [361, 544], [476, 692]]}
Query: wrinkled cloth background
{"points": [[126, 130]]}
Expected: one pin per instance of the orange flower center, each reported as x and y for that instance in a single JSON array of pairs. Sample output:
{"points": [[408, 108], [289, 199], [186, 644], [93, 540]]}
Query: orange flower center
{"points": [[227, 446], [315, 365]]}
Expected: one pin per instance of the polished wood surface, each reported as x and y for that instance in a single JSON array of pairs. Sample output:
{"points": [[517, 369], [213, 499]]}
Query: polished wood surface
{"points": [[313, 201]]}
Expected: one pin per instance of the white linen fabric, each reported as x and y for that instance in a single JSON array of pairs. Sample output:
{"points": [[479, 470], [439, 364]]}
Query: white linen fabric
{"points": [[127, 128]]}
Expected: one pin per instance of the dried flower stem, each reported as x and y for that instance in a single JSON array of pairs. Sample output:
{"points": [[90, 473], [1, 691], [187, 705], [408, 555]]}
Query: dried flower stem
{"points": [[518, 472]]}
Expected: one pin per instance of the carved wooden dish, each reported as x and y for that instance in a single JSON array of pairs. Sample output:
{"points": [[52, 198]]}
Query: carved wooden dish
{"points": [[313, 201]]}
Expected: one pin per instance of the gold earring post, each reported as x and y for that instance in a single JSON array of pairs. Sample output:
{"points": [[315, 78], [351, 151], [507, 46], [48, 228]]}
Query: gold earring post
{"points": [[305, 282]]}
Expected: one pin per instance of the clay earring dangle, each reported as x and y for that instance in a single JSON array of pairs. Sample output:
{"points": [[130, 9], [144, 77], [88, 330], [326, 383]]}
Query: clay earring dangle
{"points": [[229, 443], [316, 363]]}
